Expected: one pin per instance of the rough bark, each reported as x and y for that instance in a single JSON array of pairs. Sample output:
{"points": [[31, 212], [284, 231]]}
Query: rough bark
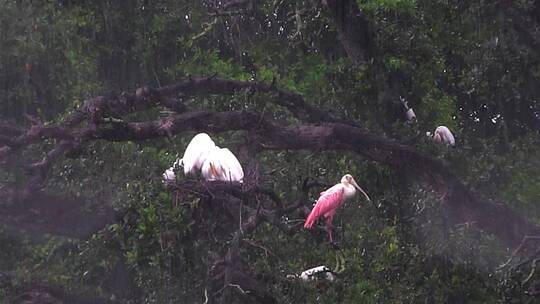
{"points": [[328, 134]]}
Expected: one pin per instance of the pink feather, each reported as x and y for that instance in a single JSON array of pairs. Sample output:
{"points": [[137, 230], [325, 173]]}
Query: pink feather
{"points": [[326, 205]]}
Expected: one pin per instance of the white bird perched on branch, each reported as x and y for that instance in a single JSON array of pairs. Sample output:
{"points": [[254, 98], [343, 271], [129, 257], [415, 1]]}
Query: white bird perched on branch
{"points": [[409, 112], [214, 163], [411, 117], [443, 135]]}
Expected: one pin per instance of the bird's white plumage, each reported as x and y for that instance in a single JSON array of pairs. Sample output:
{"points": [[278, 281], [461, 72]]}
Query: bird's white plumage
{"points": [[411, 116], [214, 163], [197, 152], [311, 274], [409, 112], [222, 165], [443, 135]]}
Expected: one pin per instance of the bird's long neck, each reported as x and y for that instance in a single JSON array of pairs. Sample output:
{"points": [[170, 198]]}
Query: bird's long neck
{"points": [[349, 190]]}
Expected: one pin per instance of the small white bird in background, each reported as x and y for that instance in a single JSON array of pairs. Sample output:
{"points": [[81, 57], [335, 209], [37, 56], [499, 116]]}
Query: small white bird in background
{"points": [[214, 163], [409, 112], [443, 135]]}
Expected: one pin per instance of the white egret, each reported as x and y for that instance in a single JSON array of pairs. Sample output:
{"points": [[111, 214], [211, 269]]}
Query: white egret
{"points": [[222, 165], [212, 162], [196, 153]]}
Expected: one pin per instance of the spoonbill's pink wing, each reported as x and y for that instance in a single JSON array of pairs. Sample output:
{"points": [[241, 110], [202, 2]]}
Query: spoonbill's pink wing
{"points": [[329, 201]]}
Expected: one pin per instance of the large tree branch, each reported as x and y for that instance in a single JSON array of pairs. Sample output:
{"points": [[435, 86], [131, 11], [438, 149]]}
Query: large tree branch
{"points": [[467, 205], [95, 109], [330, 135]]}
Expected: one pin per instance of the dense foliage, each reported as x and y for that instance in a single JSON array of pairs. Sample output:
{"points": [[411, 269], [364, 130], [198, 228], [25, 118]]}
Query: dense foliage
{"points": [[111, 232]]}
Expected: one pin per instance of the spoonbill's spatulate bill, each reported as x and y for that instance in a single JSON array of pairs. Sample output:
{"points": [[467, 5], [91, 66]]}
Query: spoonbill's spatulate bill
{"points": [[214, 163], [330, 200], [443, 135]]}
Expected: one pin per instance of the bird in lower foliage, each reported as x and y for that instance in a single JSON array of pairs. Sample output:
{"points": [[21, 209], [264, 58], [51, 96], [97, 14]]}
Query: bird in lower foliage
{"points": [[212, 162], [314, 274], [330, 200], [443, 135]]}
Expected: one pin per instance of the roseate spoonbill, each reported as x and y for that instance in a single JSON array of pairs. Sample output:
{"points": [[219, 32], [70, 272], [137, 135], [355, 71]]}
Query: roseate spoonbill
{"points": [[332, 199], [222, 165], [443, 135]]}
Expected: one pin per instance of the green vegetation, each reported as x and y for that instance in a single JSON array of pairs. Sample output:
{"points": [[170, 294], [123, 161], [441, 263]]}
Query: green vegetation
{"points": [[473, 67]]}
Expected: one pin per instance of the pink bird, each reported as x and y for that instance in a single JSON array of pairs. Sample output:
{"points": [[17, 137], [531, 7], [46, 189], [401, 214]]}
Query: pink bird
{"points": [[330, 200]]}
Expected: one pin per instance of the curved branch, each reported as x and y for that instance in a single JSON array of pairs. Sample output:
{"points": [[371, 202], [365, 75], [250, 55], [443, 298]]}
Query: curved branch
{"points": [[466, 205]]}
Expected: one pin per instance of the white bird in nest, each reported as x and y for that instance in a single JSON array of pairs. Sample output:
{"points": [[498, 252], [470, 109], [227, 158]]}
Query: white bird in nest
{"points": [[222, 165], [214, 163], [443, 135]]}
